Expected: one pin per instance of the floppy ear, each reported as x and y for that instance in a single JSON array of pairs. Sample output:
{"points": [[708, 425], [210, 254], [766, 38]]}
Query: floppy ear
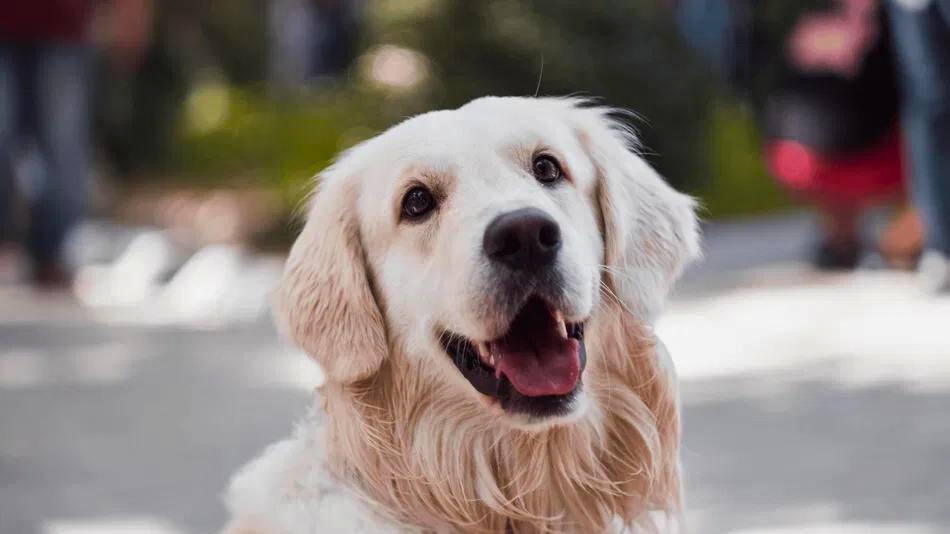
{"points": [[650, 230], [325, 302]]}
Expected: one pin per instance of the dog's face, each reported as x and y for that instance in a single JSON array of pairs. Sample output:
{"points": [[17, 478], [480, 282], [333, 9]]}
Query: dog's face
{"points": [[476, 242], [485, 245]]}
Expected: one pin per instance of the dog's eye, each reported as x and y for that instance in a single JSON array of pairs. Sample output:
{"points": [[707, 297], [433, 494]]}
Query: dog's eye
{"points": [[546, 169], [417, 203]]}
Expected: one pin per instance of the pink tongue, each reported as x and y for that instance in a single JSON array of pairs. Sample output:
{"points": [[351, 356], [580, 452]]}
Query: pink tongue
{"points": [[537, 365]]}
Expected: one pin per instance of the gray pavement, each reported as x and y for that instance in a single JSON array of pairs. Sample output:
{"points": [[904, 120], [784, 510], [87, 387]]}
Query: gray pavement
{"points": [[811, 403]]}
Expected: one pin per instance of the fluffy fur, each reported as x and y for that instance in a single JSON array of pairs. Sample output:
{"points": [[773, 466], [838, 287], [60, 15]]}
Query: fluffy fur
{"points": [[399, 441]]}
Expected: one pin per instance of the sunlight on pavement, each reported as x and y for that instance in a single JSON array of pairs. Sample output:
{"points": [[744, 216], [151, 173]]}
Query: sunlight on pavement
{"points": [[104, 363], [96, 364], [110, 526], [132, 277], [289, 368], [842, 528], [147, 277], [22, 369], [872, 327], [219, 285]]}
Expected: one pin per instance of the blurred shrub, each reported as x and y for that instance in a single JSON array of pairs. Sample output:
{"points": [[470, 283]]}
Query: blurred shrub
{"points": [[202, 114], [738, 181], [253, 137], [626, 53], [138, 112]]}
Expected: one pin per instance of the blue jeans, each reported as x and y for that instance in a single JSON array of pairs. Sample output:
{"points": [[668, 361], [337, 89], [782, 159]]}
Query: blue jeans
{"points": [[708, 26], [922, 46], [44, 98]]}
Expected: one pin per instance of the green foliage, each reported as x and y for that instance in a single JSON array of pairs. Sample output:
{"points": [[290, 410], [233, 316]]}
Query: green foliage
{"points": [[738, 181], [263, 140], [625, 53], [202, 115]]}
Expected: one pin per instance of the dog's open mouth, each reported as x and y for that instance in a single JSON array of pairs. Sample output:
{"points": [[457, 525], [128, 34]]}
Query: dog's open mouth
{"points": [[534, 368]]}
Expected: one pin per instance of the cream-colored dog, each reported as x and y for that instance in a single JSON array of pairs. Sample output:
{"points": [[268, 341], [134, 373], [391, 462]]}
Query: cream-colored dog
{"points": [[479, 286]]}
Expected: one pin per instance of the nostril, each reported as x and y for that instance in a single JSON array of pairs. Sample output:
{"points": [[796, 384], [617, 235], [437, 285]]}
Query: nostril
{"points": [[523, 240], [510, 245], [550, 235]]}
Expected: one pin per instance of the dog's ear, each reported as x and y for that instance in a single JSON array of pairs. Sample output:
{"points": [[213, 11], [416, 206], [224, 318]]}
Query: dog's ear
{"points": [[325, 302], [650, 230]]}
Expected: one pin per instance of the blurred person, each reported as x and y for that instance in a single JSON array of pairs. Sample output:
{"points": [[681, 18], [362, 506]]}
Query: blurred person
{"points": [[712, 29], [829, 113], [831, 122], [310, 39], [921, 31], [46, 54]]}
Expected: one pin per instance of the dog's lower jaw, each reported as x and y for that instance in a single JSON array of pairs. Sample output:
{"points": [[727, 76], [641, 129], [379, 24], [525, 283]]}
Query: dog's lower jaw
{"points": [[577, 409]]}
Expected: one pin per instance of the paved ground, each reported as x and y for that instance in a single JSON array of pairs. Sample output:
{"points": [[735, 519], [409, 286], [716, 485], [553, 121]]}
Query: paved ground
{"points": [[812, 403]]}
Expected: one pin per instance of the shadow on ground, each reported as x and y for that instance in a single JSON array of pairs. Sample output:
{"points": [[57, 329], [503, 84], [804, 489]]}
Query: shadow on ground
{"points": [[158, 440], [763, 452]]}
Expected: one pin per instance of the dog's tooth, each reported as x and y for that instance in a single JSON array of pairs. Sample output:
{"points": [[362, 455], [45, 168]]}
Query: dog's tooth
{"points": [[491, 351], [561, 324], [484, 353]]}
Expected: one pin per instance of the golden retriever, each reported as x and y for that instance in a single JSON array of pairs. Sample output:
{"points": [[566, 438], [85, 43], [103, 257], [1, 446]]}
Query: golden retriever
{"points": [[479, 286]]}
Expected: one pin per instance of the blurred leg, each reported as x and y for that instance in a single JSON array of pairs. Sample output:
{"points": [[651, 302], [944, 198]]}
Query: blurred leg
{"points": [[707, 26], [840, 248], [901, 242], [62, 99], [8, 123], [922, 43]]}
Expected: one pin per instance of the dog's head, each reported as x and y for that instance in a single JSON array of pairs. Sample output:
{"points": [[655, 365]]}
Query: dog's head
{"points": [[479, 242]]}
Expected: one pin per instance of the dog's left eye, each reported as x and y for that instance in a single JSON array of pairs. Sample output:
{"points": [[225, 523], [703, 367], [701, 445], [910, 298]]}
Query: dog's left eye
{"points": [[417, 203], [546, 169]]}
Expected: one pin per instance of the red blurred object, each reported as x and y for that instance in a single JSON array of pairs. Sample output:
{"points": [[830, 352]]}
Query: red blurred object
{"points": [[32, 21], [854, 178]]}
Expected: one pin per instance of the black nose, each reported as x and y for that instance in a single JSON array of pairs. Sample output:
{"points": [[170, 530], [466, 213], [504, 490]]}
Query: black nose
{"points": [[525, 240]]}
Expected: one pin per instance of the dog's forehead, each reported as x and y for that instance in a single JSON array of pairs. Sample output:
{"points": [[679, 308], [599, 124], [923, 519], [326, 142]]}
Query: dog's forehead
{"points": [[488, 125], [475, 146]]}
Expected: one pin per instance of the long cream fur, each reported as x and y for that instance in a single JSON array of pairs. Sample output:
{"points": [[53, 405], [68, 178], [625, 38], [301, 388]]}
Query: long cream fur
{"points": [[400, 450], [411, 450]]}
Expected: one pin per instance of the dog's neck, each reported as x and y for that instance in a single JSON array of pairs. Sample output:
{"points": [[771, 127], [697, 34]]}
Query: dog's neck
{"points": [[429, 459]]}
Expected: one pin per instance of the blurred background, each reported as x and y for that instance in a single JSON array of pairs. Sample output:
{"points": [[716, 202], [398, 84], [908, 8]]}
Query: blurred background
{"points": [[155, 155]]}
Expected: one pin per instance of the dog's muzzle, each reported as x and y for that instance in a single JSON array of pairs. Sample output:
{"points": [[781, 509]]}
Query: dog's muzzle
{"points": [[535, 366]]}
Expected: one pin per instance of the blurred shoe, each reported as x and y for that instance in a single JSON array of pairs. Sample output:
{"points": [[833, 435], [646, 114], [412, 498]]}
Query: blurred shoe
{"points": [[933, 272], [902, 241], [13, 267], [51, 276], [837, 256]]}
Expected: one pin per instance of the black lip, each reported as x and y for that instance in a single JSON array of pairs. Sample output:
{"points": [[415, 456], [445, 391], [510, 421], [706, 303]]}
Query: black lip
{"points": [[463, 354]]}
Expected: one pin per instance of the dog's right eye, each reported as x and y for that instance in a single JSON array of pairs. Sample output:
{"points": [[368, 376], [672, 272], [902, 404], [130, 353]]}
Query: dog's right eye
{"points": [[547, 170], [417, 203]]}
